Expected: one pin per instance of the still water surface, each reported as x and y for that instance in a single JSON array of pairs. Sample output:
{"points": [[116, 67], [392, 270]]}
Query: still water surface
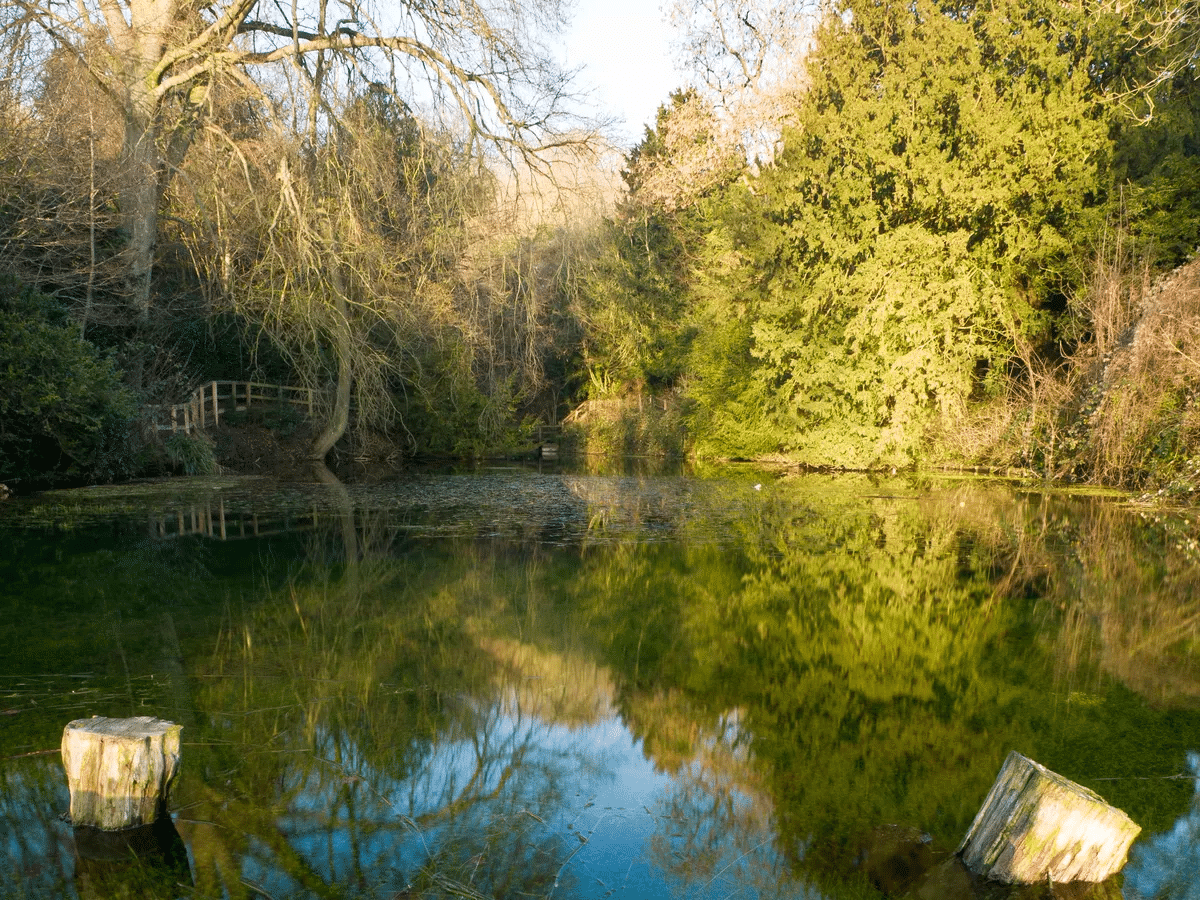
{"points": [[510, 683]]}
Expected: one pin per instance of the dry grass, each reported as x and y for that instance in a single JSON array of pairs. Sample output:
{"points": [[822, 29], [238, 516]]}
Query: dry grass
{"points": [[1119, 283], [1139, 624], [980, 438], [1124, 408], [1147, 416], [1025, 430]]}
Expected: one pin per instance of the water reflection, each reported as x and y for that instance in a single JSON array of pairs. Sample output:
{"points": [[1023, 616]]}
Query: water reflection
{"points": [[1168, 864], [541, 684]]}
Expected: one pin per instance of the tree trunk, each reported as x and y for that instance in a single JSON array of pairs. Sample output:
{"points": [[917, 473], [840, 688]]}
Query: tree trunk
{"points": [[153, 147], [141, 196], [1035, 824], [339, 418], [139, 47], [119, 770]]}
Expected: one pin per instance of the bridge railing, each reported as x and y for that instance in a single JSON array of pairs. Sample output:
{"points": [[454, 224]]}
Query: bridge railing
{"points": [[220, 398], [213, 520]]}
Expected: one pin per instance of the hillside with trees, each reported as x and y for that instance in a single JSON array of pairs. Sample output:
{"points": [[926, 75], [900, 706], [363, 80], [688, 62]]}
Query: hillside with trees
{"points": [[865, 235], [953, 233]]}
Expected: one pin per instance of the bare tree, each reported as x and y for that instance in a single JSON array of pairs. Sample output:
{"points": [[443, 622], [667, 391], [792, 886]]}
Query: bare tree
{"points": [[1166, 32], [747, 56], [346, 252], [57, 186], [688, 154], [159, 62], [382, 261]]}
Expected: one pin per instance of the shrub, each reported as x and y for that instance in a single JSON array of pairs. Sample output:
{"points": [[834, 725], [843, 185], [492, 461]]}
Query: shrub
{"points": [[63, 409], [193, 453], [630, 426]]}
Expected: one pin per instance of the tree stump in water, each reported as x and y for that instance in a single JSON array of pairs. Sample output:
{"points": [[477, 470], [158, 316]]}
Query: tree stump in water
{"points": [[119, 770], [1035, 824]]}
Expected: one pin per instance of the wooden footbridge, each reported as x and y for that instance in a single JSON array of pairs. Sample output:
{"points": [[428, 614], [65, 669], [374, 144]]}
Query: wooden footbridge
{"points": [[211, 519], [210, 401]]}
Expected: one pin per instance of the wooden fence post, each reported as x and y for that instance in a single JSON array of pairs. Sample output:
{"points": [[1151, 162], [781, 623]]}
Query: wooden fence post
{"points": [[119, 770]]}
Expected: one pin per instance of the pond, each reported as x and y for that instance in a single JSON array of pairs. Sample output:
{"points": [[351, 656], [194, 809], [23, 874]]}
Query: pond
{"points": [[513, 683]]}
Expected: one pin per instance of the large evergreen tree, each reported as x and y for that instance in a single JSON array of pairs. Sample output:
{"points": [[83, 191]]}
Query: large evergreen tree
{"points": [[917, 231]]}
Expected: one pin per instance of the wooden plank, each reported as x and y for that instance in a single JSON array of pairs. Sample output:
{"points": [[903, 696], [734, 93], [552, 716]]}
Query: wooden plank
{"points": [[1036, 825]]}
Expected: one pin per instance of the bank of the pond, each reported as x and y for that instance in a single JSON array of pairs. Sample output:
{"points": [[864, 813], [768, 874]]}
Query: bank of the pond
{"points": [[1118, 409], [1124, 415]]}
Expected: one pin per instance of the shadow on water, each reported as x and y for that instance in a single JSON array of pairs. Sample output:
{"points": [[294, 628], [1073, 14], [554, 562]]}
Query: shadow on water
{"points": [[149, 862], [543, 684]]}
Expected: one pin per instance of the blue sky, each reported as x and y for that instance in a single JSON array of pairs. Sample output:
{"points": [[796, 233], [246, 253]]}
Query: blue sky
{"points": [[624, 47]]}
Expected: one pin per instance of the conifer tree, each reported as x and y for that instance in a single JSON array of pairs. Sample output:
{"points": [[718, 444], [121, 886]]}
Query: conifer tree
{"points": [[917, 231]]}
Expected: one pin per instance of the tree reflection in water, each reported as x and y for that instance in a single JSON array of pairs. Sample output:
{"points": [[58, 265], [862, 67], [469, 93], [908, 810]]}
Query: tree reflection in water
{"points": [[367, 746], [609, 685]]}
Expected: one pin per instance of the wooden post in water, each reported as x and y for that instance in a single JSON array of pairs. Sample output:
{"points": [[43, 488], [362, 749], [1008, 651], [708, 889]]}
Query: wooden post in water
{"points": [[1036, 825], [119, 770]]}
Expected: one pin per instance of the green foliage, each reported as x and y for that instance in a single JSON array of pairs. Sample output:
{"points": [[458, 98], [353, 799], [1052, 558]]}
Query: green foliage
{"points": [[441, 410], [1155, 163], [638, 303], [921, 240], [642, 426], [192, 453], [919, 225], [634, 305], [63, 408], [727, 418]]}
